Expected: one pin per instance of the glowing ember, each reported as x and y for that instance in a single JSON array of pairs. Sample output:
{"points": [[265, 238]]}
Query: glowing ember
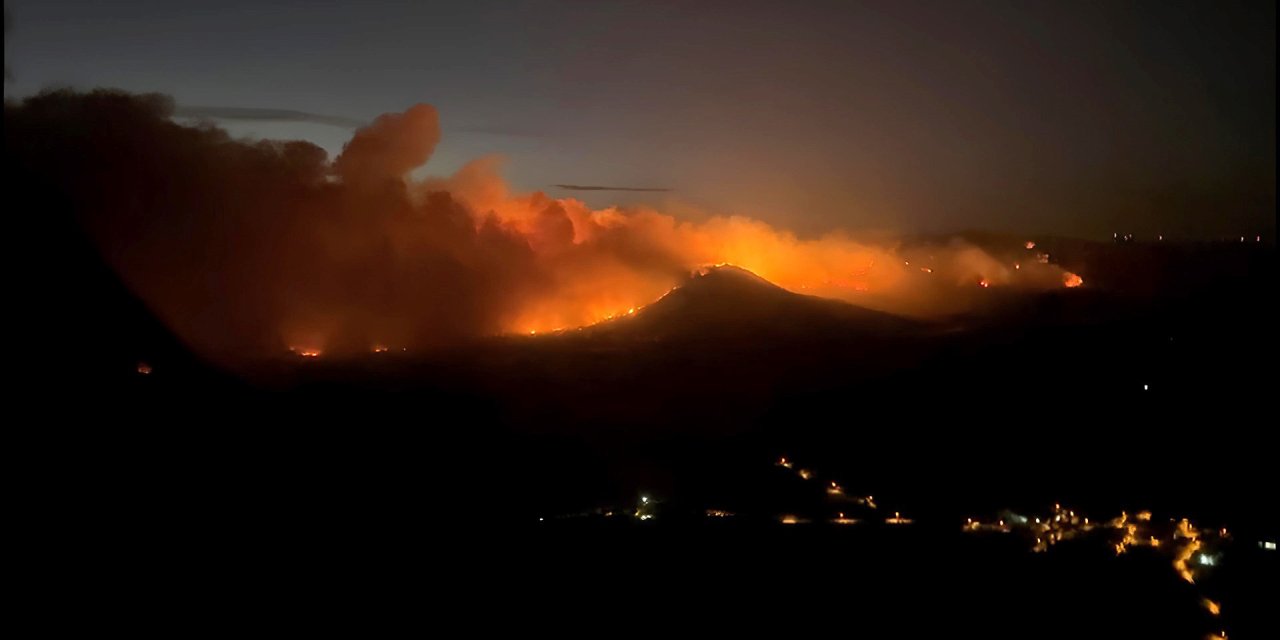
{"points": [[1189, 533]]}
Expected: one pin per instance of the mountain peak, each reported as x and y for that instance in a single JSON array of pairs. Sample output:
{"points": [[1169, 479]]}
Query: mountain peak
{"points": [[726, 299]]}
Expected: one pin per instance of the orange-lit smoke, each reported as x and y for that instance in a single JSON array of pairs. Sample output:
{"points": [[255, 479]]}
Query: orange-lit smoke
{"points": [[249, 247], [604, 263]]}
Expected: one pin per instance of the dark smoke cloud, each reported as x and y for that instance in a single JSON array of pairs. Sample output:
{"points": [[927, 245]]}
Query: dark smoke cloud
{"points": [[247, 248], [264, 115], [392, 146], [580, 187]]}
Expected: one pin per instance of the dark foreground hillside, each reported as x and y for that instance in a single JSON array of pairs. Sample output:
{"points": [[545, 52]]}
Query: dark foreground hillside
{"points": [[422, 466]]}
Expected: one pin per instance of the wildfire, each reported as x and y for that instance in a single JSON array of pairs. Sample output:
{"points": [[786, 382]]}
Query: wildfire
{"points": [[367, 235], [380, 349], [1071, 280], [1212, 607], [1030, 245], [144, 369], [1192, 536], [833, 266]]}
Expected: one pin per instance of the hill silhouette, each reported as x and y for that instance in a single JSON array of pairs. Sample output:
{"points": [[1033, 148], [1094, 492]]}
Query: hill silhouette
{"points": [[727, 302]]}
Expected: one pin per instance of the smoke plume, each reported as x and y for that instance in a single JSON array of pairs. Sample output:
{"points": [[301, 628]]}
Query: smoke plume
{"points": [[247, 248]]}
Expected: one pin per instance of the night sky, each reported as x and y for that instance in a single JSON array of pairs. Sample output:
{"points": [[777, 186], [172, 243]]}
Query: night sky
{"points": [[1073, 118]]}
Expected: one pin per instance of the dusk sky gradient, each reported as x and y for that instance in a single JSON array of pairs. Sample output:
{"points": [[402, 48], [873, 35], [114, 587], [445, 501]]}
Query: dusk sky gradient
{"points": [[1071, 118]]}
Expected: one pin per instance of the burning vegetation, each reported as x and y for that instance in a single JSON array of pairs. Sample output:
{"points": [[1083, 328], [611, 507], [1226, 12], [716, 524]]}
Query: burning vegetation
{"points": [[253, 247]]}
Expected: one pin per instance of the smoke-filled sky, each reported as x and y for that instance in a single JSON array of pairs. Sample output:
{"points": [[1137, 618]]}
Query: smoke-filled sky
{"points": [[246, 248], [1072, 118]]}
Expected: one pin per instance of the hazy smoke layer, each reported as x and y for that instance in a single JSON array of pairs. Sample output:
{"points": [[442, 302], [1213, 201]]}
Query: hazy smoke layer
{"points": [[248, 248]]}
